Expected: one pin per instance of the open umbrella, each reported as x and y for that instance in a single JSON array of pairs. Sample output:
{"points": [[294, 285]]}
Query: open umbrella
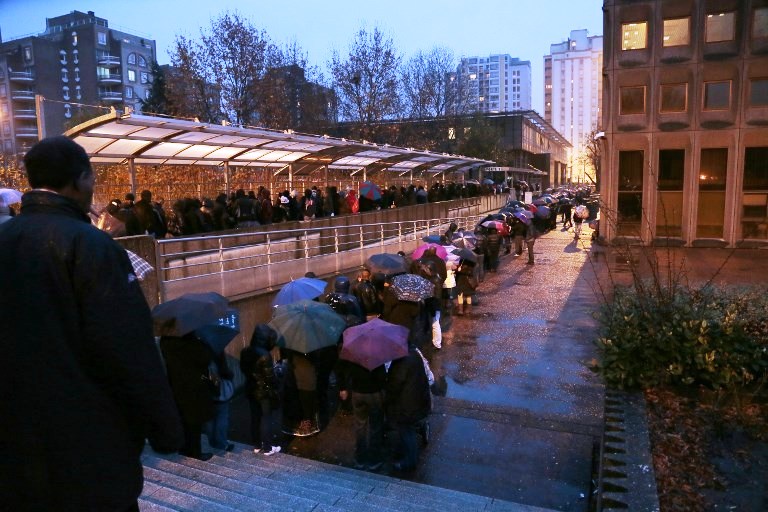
{"points": [[387, 264], [306, 326], [188, 312], [492, 224], [370, 191], [543, 212], [464, 239], [488, 181], [299, 289], [471, 182], [439, 249], [581, 211], [522, 216], [465, 254], [9, 195], [216, 336], [514, 203], [432, 239], [374, 343], [411, 288], [141, 267], [539, 201]]}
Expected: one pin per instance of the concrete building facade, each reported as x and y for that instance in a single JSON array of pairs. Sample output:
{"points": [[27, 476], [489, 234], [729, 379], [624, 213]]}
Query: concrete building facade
{"points": [[79, 66], [685, 152], [573, 95], [497, 83]]}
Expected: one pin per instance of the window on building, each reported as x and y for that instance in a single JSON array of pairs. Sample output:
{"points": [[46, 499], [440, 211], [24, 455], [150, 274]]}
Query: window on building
{"points": [[63, 57], [676, 32], [74, 38], [146, 94], [4, 109], [142, 61], [132, 59], [674, 98], [632, 100], [760, 23], [77, 74], [3, 90], [758, 92], [630, 194], [64, 75], [713, 169], [451, 133], [634, 36], [27, 54], [65, 92], [6, 127], [101, 38], [669, 205], [720, 27], [717, 95], [131, 75], [78, 93], [754, 218], [67, 110], [75, 57]]}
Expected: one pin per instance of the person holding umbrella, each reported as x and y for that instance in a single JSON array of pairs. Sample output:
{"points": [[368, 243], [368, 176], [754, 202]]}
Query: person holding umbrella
{"points": [[466, 282]]}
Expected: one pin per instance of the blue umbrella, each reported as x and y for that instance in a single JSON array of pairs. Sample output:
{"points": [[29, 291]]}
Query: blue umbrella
{"points": [[370, 190], [432, 239], [488, 181], [522, 217], [299, 289], [543, 212]]}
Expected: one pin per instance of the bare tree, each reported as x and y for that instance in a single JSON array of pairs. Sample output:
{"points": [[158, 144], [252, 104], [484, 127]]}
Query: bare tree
{"points": [[429, 85], [366, 80], [190, 87], [592, 149]]}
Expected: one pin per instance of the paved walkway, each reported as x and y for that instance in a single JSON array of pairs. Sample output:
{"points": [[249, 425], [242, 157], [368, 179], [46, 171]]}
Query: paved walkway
{"points": [[521, 415]]}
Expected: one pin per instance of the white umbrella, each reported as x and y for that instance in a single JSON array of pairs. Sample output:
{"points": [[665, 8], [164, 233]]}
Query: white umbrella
{"points": [[10, 196]]}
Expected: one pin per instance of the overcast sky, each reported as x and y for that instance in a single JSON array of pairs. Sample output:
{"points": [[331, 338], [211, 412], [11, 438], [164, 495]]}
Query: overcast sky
{"points": [[520, 28]]}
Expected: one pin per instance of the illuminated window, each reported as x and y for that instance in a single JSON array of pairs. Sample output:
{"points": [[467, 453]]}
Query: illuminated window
{"points": [[760, 23], [717, 95], [74, 38], [676, 32], [131, 75], [758, 92], [721, 27], [102, 38], [674, 98], [144, 77], [632, 100], [634, 36], [132, 59]]}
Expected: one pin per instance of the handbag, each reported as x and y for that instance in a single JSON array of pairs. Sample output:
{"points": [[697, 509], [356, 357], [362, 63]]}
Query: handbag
{"points": [[222, 390]]}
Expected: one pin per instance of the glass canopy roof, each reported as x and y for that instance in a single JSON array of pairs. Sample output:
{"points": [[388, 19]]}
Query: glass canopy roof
{"points": [[120, 138]]}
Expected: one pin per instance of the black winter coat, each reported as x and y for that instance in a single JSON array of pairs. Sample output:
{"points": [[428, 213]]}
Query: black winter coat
{"points": [[186, 359], [84, 384], [257, 366], [407, 398]]}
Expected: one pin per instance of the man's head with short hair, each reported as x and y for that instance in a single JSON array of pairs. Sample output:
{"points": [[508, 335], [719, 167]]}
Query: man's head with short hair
{"points": [[146, 195], [60, 164]]}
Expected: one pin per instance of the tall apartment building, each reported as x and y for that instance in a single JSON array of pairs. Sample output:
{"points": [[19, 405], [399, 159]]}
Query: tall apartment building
{"points": [[497, 83], [77, 61], [685, 154], [573, 89]]}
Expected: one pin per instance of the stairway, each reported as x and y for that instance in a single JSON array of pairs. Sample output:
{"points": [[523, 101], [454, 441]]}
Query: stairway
{"points": [[240, 480]]}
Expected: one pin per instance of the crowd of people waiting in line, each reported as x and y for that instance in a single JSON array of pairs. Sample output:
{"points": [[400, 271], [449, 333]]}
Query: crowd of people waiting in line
{"points": [[241, 209]]}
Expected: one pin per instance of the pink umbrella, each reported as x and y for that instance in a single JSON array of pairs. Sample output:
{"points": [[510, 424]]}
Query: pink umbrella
{"points": [[439, 249]]}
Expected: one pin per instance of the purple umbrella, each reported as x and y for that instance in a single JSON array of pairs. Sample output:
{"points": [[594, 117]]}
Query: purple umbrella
{"points": [[374, 343], [522, 217]]}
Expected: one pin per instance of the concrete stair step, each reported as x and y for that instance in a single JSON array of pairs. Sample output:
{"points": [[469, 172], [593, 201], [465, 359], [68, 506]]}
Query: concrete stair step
{"points": [[242, 480]]}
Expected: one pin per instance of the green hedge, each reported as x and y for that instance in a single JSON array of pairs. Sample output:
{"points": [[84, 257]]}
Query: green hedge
{"points": [[712, 337]]}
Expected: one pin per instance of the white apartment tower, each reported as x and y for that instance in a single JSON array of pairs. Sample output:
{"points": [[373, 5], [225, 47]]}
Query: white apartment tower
{"points": [[497, 83], [573, 88]]}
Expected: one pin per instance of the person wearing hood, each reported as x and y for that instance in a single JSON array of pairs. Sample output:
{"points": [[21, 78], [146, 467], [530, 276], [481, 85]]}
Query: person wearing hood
{"points": [[344, 303], [261, 387]]}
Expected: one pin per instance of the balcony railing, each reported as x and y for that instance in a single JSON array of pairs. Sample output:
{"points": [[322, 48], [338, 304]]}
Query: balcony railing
{"points": [[26, 131], [23, 95], [109, 60], [111, 96], [24, 114], [112, 78], [21, 76]]}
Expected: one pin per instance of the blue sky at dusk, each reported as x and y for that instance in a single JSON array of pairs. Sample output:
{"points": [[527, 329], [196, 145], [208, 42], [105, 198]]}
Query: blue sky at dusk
{"points": [[522, 29]]}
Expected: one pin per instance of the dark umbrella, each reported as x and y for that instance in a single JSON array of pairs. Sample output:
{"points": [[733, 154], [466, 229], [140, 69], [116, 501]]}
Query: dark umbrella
{"points": [[184, 314], [217, 337], [411, 288], [464, 239], [306, 326], [488, 181], [299, 289], [514, 203], [539, 202], [433, 239], [370, 191], [543, 212], [374, 343], [522, 216], [465, 254], [387, 264]]}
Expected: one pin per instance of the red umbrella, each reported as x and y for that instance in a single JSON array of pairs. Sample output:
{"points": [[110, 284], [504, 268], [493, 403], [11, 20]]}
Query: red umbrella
{"points": [[439, 249], [374, 343]]}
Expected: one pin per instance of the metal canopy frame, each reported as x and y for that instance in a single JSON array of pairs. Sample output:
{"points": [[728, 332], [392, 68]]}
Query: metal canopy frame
{"points": [[137, 139]]}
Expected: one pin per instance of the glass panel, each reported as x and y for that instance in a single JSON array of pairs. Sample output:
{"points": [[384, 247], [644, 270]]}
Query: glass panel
{"points": [[632, 100], [676, 32], [717, 95], [634, 36], [758, 93], [674, 98], [760, 23], [721, 27], [754, 218], [630, 201], [713, 169], [669, 208]]}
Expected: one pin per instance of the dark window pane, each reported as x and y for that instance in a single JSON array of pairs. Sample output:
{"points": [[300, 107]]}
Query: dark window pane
{"points": [[756, 168], [758, 94], [632, 100], [717, 95], [674, 97], [630, 199], [671, 169], [721, 27], [760, 23], [713, 169]]}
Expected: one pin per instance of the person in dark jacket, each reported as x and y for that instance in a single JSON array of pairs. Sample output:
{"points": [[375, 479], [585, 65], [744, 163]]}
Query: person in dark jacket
{"points": [[83, 385], [344, 303], [519, 231], [365, 390], [367, 294], [186, 359], [217, 428], [492, 248], [261, 387], [407, 404]]}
